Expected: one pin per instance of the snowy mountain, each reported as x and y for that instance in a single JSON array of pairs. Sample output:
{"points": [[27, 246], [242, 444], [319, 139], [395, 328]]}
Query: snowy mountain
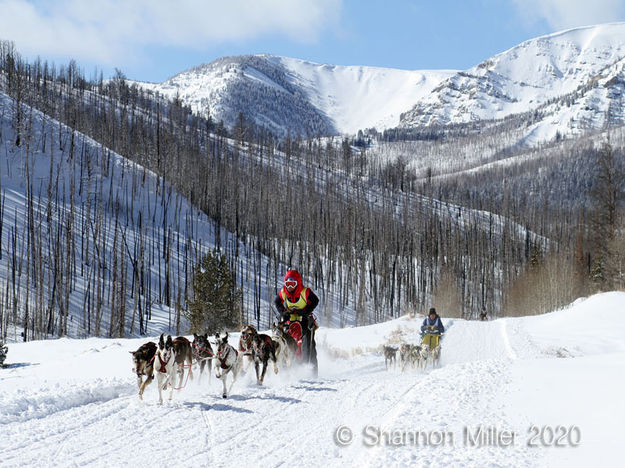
{"points": [[306, 98], [553, 382], [562, 84], [571, 80]]}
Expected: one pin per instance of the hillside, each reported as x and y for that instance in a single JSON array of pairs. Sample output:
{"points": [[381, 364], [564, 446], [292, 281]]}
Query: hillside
{"points": [[117, 193], [99, 246], [133, 239], [560, 369]]}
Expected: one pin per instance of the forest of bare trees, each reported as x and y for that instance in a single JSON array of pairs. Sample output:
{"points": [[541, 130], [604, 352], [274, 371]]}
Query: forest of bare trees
{"points": [[372, 236]]}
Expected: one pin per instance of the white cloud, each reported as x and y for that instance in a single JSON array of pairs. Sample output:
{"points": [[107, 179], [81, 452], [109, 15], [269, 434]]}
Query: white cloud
{"points": [[115, 31], [565, 14]]}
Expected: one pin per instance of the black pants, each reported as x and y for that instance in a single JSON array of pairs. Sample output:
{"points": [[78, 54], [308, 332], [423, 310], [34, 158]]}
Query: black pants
{"points": [[309, 349]]}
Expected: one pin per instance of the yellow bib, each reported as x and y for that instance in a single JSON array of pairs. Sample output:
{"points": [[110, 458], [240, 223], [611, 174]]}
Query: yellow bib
{"points": [[294, 306]]}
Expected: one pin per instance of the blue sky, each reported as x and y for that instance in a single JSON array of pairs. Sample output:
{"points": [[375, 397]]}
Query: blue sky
{"points": [[151, 40]]}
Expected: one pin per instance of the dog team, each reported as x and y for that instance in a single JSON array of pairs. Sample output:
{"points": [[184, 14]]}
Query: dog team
{"points": [[170, 357], [432, 331]]}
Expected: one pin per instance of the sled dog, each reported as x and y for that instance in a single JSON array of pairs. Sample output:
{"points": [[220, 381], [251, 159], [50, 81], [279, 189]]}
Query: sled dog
{"points": [[263, 349], [245, 346], [228, 361], [184, 358], [409, 354], [143, 365], [390, 356], [283, 350], [165, 366], [203, 353]]}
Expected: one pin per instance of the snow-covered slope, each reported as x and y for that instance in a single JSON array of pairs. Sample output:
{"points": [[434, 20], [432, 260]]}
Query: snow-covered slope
{"points": [[358, 97], [73, 402], [291, 95], [577, 72], [104, 204], [564, 84]]}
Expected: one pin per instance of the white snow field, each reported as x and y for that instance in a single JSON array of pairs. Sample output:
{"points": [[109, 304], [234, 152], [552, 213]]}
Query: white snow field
{"points": [[544, 391]]}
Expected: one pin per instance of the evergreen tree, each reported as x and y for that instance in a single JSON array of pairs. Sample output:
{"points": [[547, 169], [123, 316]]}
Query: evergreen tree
{"points": [[216, 300]]}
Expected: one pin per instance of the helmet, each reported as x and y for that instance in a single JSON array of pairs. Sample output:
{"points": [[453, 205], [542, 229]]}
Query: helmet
{"points": [[432, 311]]}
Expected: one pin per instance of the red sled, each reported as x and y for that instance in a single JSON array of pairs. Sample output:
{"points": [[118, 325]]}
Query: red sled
{"points": [[295, 330]]}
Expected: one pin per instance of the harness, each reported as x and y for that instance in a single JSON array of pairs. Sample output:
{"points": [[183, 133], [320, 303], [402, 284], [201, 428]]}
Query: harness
{"points": [[199, 349], [163, 363], [223, 356]]}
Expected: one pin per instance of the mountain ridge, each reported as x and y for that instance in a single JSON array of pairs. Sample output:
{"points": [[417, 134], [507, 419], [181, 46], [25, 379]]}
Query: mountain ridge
{"points": [[293, 96]]}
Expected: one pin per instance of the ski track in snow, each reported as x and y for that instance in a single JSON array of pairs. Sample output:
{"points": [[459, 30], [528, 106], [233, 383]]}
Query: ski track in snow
{"points": [[102, 429], [90, 415]]}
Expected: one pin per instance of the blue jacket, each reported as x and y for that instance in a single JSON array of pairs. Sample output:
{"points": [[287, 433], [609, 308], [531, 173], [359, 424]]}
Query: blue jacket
{"points": [[437, 322]]}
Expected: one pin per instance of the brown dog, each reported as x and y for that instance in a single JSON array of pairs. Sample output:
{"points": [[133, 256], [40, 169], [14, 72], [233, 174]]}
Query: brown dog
{"points": [[183, 353], [143, 365]]}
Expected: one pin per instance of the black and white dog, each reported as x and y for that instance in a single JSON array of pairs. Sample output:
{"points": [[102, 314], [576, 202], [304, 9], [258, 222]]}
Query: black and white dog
{"points": [[280, 329], [409, 354], [431, 354], [165, 366], [228, 361], [390, 356], [143, 365], [285, 346], [203, 353]]}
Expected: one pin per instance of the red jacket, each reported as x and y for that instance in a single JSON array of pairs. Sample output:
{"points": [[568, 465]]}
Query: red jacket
{"points": [[302, 299]]}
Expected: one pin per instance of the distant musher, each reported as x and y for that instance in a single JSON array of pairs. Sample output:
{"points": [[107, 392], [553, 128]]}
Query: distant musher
{"points": [[432, 329]]}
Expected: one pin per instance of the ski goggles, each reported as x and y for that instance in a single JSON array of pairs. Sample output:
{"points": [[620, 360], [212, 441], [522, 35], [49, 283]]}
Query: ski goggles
{"points": [[290, 283]]}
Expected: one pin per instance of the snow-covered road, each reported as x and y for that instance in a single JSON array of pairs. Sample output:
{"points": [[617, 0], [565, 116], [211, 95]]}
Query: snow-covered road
{"points": [[73, 402]]}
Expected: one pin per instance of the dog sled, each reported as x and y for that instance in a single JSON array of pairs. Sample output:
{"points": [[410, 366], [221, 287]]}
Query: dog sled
{"points": [[295, 331]]}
